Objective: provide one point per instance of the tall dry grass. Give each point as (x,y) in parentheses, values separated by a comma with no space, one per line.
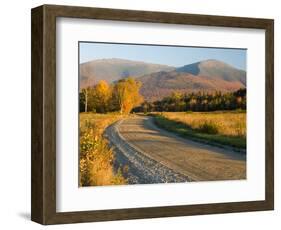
(96,157)
(223,123)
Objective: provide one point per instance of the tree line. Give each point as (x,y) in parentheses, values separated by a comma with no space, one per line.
(199,101)
(122,96)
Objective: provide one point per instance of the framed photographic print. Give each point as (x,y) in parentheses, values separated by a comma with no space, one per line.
(140,114)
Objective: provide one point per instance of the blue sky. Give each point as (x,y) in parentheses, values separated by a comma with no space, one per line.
(168,55)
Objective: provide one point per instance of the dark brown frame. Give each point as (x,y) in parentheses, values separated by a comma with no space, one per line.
(43,188)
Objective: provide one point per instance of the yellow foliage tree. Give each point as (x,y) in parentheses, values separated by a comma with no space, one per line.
(126,94)
(102,96)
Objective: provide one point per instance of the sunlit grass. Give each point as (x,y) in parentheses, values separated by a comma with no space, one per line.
(226,128)
(224,123)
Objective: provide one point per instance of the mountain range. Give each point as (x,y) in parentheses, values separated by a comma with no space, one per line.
(115,69)
(159,81)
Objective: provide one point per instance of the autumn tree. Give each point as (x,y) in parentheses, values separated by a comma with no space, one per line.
(177,100)
(101,96)
(126,95)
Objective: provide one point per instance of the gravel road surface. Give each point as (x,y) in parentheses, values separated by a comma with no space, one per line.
(153,155)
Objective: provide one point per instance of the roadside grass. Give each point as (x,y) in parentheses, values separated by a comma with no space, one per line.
(96,157)
(216,128)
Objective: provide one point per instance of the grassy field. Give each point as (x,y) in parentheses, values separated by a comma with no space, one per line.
(225,128)
(96,157)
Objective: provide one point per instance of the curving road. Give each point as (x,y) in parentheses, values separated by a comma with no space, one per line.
(153,155)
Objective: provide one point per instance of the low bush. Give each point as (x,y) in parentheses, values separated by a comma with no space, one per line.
(208,127)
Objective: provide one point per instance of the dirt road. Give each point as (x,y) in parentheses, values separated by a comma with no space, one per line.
(153,155)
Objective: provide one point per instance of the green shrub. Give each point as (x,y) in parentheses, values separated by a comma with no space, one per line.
(208,127)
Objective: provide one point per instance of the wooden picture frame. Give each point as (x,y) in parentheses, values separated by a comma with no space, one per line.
(43,189)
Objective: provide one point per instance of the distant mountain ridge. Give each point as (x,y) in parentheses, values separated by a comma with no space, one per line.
(215,69)
(207,76)
(115,69)
(159,81)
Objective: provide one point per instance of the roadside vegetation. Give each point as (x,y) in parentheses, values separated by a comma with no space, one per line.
(96,157)
(220,127)
(100,106)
